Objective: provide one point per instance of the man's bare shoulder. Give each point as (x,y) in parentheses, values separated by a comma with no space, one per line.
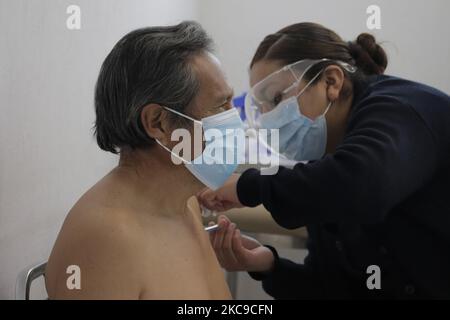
(103,241)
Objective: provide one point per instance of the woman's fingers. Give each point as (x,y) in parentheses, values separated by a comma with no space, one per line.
(234,251)
(249,243)
(212,238)
(222,242)
(206,197)
(240,252)
(227,249)
(223,223)
(199,194)
(210,199)
(218,238)
(223,198)
(211,234)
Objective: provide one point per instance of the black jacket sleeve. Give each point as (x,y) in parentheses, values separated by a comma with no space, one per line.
(289,280)
(387,154)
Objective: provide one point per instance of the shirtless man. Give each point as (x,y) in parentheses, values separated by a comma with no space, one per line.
(134,234)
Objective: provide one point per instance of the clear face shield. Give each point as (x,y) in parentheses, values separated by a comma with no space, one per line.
(264,96)
(275,97)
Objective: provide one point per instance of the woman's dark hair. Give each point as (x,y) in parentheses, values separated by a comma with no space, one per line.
(149,65)
(313,41)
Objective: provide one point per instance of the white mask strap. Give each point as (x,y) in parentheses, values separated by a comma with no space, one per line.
(311,81)
(172,153)
(183,115)
(328,108)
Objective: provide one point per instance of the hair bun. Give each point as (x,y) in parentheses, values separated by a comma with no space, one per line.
(369,56)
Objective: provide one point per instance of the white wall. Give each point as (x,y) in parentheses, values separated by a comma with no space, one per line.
(416,32)
(48,156)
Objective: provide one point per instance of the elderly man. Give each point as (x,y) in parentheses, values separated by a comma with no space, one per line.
(132,234)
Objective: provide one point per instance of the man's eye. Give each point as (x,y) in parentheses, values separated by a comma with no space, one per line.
(226,106)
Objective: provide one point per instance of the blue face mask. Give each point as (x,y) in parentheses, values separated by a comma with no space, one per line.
(301,138)
(224,135)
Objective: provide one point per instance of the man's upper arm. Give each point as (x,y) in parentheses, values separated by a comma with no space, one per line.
(106,252)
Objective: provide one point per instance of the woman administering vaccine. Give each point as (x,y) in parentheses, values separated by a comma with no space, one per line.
(374,189)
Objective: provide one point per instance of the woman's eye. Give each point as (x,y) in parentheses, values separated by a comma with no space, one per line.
(277,99)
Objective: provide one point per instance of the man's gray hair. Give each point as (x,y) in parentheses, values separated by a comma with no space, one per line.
(149,65)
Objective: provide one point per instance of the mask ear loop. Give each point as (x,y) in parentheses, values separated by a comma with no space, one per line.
(328,108)
(182,115)
(166,148)
(307,85)
(172,153)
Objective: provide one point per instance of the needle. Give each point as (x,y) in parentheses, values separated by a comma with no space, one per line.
(212,228)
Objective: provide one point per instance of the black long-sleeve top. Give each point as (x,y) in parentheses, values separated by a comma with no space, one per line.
(382,198)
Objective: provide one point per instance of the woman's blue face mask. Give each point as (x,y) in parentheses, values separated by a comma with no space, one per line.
(300,138)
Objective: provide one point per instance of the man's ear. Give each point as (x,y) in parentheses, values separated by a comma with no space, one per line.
(334,78)
(155,122)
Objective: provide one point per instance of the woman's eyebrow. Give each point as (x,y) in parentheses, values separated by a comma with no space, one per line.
(266,88)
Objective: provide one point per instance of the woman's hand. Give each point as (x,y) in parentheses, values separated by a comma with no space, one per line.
(237,252)
(222,199)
